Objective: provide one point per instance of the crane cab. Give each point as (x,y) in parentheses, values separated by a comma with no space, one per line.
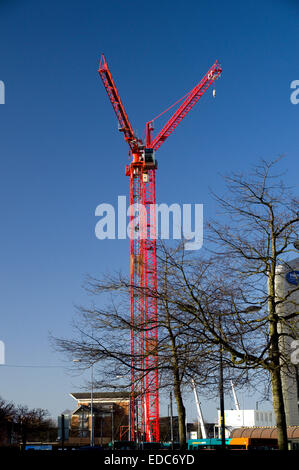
(149,159)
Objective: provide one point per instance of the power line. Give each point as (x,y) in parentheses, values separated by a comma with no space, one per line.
(33,366)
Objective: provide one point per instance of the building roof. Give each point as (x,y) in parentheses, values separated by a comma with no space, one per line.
(101,395)
(265,432)
(97,409)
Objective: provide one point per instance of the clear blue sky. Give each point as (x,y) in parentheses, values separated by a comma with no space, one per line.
(61,153)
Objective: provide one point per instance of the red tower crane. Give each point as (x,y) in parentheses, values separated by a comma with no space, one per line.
(144,402)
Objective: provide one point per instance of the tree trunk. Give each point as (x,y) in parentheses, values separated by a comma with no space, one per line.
(24,440)
(175,369)
(279,410)
(274,353)
(181,414)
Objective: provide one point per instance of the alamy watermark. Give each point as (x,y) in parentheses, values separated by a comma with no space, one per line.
(294,97)
(136,222)
(2,92)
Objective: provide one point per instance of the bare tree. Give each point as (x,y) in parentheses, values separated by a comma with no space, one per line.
(102,331)
(241,310)
(225,299)
(263,224)
(31,423)
(103,338)
(7,413)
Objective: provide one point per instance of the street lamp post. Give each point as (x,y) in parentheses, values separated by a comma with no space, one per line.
(129,411)
(171,422)
(91,407)
(250,309)
(91,411)
(221,389)
(112,425)
(221,393)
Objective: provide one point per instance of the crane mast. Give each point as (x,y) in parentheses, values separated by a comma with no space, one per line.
(144,397)
(199,413)
(144,409)
(237,404)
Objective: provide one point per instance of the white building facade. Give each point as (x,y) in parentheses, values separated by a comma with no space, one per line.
(248,418)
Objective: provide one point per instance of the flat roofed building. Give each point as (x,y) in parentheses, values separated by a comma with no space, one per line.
(239,418)
(110,415)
